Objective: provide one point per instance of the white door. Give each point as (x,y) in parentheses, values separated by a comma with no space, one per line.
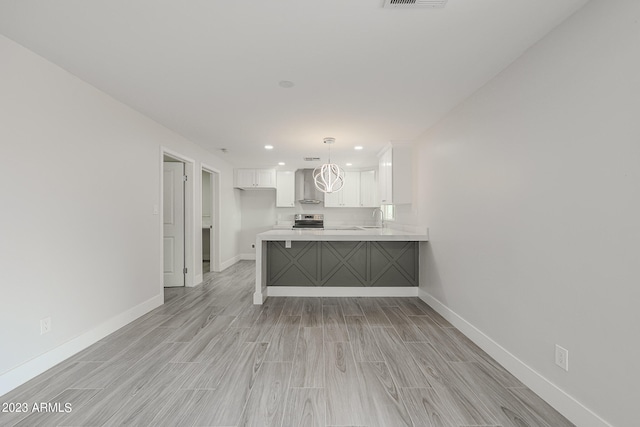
(173,215)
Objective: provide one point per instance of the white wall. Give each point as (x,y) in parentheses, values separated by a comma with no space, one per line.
(79,177)
(531,191)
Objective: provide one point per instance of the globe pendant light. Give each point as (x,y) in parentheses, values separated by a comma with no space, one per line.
(329,177)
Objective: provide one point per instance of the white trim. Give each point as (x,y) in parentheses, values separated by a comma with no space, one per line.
(228,263)
(249,256)
(564,403)
(161,220)
(340,291)
(259,298)
(34,367)
(198,280)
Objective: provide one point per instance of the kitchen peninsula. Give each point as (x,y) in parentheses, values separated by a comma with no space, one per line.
(353,261)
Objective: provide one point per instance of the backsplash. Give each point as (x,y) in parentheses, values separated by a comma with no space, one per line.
(259,213)
(332,216)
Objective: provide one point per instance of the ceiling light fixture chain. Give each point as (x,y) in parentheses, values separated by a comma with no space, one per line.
(329,177)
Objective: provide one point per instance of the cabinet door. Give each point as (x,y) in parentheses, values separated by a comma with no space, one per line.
(349,196)
(285,189)
(245,178)
(368,189)
(386,177)
(351,190)
(333,200)
(265,178)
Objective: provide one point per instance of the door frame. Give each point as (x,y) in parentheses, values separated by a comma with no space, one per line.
(214,237)
(189,212)
(174,225)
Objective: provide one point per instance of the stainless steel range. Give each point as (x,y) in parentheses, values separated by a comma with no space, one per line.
(308,221)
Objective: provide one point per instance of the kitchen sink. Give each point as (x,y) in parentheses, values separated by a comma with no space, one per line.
(343,228)
(353,228)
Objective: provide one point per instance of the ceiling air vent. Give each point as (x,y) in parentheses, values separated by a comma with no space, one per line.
(311,159)
(412,4)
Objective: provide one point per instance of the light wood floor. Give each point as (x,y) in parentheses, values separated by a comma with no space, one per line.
(208,357)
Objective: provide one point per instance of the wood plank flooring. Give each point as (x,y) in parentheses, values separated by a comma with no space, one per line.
(209,357)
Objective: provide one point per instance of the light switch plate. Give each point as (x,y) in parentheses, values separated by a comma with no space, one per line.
(562,357)
(45,325)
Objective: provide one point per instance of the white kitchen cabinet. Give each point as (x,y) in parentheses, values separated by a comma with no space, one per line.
(351,190)
(394,181)
(255,178)
(285,189)
(360,190)
(333,200)
(245,178)
(349,196)
(368,189)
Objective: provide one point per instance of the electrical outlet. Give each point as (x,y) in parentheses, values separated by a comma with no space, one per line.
(562,357)
(45,325)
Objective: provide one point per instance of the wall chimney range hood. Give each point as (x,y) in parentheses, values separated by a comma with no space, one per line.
(306,191)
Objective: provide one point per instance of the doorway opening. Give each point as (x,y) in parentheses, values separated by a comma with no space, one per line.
(210,219)
(207,220)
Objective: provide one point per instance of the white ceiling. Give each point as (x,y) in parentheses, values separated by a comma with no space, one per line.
(209,69)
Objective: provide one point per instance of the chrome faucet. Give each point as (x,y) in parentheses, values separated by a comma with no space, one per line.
(375,211)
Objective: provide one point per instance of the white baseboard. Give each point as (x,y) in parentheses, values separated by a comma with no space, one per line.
(34,367)
(259,298)
(228,263)
(564,403)
(339,291)
(240,257)
(196,281)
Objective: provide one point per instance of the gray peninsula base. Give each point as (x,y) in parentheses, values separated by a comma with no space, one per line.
(342,263)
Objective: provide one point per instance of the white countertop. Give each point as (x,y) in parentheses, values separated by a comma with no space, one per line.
(361,234)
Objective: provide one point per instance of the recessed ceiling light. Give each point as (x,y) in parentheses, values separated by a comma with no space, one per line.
(358,147)
(268,147)
(349,164)
(280,163)
(286,84)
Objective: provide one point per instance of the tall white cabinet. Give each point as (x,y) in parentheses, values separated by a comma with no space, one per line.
(285,189)
(395,180)
(369,189)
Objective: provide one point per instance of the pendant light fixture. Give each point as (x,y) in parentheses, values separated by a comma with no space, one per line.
(329,177)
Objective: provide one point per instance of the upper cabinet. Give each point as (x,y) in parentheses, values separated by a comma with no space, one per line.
(360,191)
(349,196)
(369,189)
(255,178)
(285,189)
(395,174)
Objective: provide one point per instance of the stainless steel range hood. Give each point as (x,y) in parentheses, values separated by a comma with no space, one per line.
(306,191)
